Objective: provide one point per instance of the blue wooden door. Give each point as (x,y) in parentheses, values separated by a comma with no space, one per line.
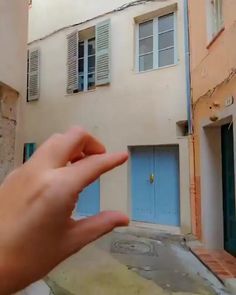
(167,185)
(155,185)
(143,196)
(89,200)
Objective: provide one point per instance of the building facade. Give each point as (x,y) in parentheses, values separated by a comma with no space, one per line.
(213,71)
(13,57)
(117,68)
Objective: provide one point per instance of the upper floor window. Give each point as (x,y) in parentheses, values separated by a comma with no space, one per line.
(88,58)
(216,21)
(156,43)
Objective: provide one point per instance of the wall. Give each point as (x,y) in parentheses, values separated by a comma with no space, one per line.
(8,107)
(13,36)
(13,57)
(213,70)
(135,109)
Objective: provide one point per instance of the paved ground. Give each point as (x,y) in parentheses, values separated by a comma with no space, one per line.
(133,262)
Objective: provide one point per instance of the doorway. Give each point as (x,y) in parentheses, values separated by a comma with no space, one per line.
(228,187)
(155,184)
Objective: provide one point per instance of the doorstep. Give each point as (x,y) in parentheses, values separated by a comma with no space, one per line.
(221,263)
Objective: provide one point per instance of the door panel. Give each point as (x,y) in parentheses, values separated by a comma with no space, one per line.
(155,185)
(228,188)
(143,202)
(89,200)
(167,185)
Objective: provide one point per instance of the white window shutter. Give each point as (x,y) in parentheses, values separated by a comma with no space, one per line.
(72,62)
(103,60)
(34,74)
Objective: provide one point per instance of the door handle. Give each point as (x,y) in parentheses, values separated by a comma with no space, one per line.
(151,178)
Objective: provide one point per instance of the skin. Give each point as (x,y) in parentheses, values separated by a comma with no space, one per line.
(37,200)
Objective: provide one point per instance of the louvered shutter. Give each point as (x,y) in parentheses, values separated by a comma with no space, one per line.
(103,32)
(34,74)
(72,62)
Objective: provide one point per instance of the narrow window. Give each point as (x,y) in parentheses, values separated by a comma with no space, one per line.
(216,17)
(166,50)
(87,56)
(146,46)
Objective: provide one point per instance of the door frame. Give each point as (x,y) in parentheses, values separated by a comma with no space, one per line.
(211,179)
(173,229)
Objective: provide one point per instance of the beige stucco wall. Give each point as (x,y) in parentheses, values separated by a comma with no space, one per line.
(135,109)
(13,57)
(13,38)
(213,70)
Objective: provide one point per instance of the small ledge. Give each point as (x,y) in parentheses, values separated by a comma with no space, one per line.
(215,37)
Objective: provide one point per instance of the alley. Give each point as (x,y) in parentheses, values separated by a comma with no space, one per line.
(133,262)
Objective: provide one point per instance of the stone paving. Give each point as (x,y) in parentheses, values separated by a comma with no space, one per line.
(133,262)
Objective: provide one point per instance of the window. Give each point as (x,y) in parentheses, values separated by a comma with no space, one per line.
(216,17)
(156,43)
(87,55)
(88,58)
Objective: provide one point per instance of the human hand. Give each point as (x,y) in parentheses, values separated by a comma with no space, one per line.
(36,203)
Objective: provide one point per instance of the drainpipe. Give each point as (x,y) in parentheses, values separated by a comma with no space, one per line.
(192,164)
(187,64)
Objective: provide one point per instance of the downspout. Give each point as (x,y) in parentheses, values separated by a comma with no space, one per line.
(192,165)
(187,65)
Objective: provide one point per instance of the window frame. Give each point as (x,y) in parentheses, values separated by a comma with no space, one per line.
(156,49)
(215,20)
(86,69)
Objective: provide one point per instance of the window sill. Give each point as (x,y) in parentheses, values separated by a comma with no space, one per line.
(156,69)
(215,38)
(81,92)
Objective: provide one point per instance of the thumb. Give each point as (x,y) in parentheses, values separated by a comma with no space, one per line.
(87,230)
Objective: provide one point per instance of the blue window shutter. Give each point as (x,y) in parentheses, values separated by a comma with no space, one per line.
(103,53)
(29,149)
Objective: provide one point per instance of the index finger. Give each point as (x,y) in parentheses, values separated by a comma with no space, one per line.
(60,149)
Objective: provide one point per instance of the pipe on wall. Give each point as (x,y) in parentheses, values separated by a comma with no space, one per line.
(187,65)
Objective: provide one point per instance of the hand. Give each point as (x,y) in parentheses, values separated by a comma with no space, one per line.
(36,203)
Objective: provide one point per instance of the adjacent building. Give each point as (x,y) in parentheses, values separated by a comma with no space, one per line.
(213,74)
(118,68)
(13,58)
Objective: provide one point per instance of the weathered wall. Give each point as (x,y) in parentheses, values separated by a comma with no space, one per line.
(213,81)
(135,109)
(8,106)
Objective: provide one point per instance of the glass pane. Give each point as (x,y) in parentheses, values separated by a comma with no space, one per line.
(146,62)
(146,45)
(81,83)
(146,29)
(166,40)
(81,66)
(91,46)
(91,81)
(81,49)
(91,64)
(166,57)
(166,23)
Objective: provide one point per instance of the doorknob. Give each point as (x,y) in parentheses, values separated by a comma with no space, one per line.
(151,178)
